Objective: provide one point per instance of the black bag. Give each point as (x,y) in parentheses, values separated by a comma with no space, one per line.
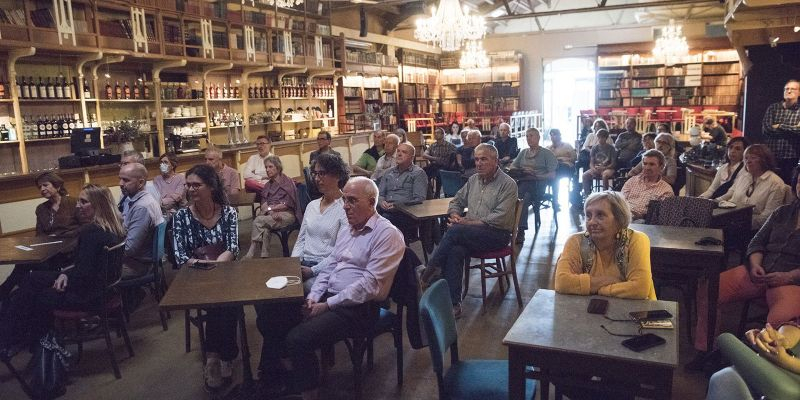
(50,369)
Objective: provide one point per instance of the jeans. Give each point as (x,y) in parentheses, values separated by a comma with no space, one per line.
(457,244)
(728,384)
(221,331)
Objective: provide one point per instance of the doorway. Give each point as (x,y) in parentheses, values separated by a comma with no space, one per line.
(569,86)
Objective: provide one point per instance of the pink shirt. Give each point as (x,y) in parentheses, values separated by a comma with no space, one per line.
(639,194)
(362,265)
(230,180)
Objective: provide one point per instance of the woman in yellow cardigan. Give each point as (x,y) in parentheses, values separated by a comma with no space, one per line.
(609,258)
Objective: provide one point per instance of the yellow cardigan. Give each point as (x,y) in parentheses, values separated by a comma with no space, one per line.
(637,285)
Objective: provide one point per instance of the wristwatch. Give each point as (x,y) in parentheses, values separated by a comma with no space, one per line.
(269,209)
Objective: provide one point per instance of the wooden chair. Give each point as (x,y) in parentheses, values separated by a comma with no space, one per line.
(284,233)
(155,279)
(497,269)
(109,315)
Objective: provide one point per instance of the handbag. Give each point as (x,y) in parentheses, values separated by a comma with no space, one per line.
(50,368)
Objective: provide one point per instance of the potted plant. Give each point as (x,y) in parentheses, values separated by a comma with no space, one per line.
(123,134)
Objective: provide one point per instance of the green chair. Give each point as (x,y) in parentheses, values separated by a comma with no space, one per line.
(465,379)
(762,377)
(155,279)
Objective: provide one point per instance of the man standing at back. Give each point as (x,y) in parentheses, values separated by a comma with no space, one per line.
(781,128)
(490,197)
(141,213)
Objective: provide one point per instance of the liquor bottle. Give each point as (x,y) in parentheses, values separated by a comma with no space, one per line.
(58,89)
(33,90)
(217,92)
(78,122)
(126,91)
(262,91)
(72,122)
(51,89)
(87,94)
(3,89)
(146,91)
(39,130)
(48,127)
(41,89)
(3,133)
(67,88)
(23,89)
(137,94)
(26,127)
(63,124)
(250,91)
(34,127)
(117,91)
(92,121)
(235,94)
(109,91)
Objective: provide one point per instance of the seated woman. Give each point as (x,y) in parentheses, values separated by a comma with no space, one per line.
(665,143)
(28,315)
(727,172)
(323,217)
(609,258)
(208,230)
(279,208)
(454,136)
(57,216)
(773,273)
(171,186)
(761,187)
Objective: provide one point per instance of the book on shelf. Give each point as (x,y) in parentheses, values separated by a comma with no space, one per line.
(13,17)
(42,18)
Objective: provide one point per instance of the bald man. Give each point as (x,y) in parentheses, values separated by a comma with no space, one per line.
(229,176)
(141,213)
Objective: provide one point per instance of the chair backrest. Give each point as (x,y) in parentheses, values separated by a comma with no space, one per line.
(451,182)
(437,318)
(405,292)
(517,214)
(683,211)
(311,186)
(112,257)
(158,247)
(303,197)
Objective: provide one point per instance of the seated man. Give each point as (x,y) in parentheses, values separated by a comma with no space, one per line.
(131,157)
(366,163)
(602,160)
(648,142)
(716,133)
(324,147)
(506,145)
(490,197)
(533,168)
(227,175)
(465,157)
(405,182)
(640,190)
(255,176)
(566,156)
(359,271)
(141,213)
(387,159)
(628,143)
(440,155)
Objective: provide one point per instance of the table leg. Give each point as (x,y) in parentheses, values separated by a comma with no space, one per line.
(516,374)
(247,372)
(713,296)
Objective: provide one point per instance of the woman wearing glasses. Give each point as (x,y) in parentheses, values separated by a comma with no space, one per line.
(761,187)
(208,230)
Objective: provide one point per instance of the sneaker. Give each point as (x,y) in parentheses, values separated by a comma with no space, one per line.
(213,374)
(226,371)
(457,310)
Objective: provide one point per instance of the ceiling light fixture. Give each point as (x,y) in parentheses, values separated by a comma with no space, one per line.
(449,26)
(671,46)
(285,3)
(473,56)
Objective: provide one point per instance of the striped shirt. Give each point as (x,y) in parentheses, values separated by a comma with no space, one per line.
(639,193)
(784,140)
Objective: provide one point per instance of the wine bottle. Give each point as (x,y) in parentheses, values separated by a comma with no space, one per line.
(146,91)
(126,91)
(137,94)
(48,127)
(51,89)
(78,122)
(68,85)
(24,91)
(2,89)
(250,91)
(109,91)
(235,94)
(63,126)
(41,89)
(72,122)
(117,91)
(87,94)
(58,89)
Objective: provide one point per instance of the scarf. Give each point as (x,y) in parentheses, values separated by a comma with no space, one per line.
(621,252)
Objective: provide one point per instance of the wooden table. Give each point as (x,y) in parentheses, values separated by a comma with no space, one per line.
(736,224)
(43,248)
(673,253)
(429,209)
(234,283)
(243,199)
(568,347)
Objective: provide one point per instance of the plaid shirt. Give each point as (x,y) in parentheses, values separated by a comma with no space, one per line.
(639,193)
(784,140)
(442,152)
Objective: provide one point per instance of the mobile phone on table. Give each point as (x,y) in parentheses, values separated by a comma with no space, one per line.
(597,306)
(650,315)
(643,342)
(204,265)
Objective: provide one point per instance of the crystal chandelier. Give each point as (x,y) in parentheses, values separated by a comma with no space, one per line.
(448,26)
(672,44)
(473,56)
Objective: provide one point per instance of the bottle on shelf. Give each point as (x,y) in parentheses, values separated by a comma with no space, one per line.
(225,90)
(33,90)
(109,91)
(3,133)
(126,91)
(64,127)
(23,89)
(41,131)
(3,89)
(235,94)
(87,94)
(250,91)
(93,121)
(68,85)
(51,89)
(58,89)
(117,91)
(145,91)
(78,122)
(179,92)
(41,89)
(137,94)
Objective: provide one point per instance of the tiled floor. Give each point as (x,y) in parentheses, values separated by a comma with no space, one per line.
(161,369)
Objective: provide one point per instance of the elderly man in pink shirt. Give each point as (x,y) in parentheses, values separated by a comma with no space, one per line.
(229,176)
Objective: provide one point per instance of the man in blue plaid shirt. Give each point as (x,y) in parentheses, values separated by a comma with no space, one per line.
(781,128)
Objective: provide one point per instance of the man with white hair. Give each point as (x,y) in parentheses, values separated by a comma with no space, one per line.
(403,183)
(227,175)
(507,148)
(387,159)
(341,303)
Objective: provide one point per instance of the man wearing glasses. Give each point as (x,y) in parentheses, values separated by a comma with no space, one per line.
(781,127)
(324,147)
(255,174)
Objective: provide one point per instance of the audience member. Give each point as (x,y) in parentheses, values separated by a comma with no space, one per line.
(131,157)
(366,163)
(602,161)
(772,273)
(489,197)
(57,216)
(141,213)
(760,187)
(648,142)
(403,183)
(402,135)
(255,176)
(323,147)
(454,136)
(729,170)
(534,168)
(171,186)
(323,218)
(227,175)
(506,146)
(628,143)
(609,258)
(590,141)
(208,230)
(360,272)
(665,143)
(718,135)
(781,126)
(566,156)
(279,208)
(28,314)
(441,155)
(662,128)
(465,157)
(640,190)
(387,160)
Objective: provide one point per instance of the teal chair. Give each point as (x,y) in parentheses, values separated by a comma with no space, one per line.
(155,280)
(466,379)
(762,377)
(452,181)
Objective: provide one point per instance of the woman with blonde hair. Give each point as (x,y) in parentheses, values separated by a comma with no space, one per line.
(28,315)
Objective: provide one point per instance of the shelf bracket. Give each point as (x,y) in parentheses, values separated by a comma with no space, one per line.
(11,64)
(216,67)
(105,60)
(82,79)
(291,71)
